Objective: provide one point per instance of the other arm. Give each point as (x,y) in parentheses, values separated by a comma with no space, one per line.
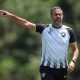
(74,58)
(75,49)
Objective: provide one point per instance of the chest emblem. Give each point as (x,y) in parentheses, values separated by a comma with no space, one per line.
(63,34)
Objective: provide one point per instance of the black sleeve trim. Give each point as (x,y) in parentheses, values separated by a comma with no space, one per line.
(72,35)
(40,27)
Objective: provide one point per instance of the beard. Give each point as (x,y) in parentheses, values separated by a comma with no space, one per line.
(58,20)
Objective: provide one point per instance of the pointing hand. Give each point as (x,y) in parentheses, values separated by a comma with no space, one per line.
(5,13)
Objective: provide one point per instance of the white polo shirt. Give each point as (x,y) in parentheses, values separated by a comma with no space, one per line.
(55,43)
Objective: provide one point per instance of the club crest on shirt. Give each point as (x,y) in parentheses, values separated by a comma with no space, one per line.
(63,34)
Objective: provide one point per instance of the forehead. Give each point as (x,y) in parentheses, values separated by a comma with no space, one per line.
(57,11)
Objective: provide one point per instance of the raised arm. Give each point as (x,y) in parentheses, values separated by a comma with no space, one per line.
(23,22)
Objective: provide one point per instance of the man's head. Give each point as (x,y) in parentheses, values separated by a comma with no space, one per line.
(57,15)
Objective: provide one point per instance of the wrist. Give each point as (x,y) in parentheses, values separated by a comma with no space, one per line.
(74,61)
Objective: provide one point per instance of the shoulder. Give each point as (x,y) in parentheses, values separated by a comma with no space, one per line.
(41,27)
(71,33)
(68,28)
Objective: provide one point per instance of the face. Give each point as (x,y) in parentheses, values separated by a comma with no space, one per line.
(57,16)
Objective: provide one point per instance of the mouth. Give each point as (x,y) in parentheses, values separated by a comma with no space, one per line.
(58,20)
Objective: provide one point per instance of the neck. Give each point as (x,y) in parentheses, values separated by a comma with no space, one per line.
(57,25)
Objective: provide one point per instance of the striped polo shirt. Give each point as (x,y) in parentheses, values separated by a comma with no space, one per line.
(55,44)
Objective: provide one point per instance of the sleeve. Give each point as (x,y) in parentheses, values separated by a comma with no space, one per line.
(72,35)
(40,27)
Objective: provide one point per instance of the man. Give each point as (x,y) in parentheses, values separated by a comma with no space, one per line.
(56,38)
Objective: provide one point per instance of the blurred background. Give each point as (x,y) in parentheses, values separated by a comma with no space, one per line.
(20,49)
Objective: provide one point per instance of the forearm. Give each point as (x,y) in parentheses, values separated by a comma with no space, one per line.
(18,20)
(73,61)
(75,51)
(23,22)
(75,54)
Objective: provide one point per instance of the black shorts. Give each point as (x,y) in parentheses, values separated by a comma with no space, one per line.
(48,73)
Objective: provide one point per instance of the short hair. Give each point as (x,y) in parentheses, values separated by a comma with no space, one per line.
(51,11)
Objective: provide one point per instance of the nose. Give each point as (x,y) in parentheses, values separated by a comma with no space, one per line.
(58,15)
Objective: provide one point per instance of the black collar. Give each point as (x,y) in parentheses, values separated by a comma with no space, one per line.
(56,27)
